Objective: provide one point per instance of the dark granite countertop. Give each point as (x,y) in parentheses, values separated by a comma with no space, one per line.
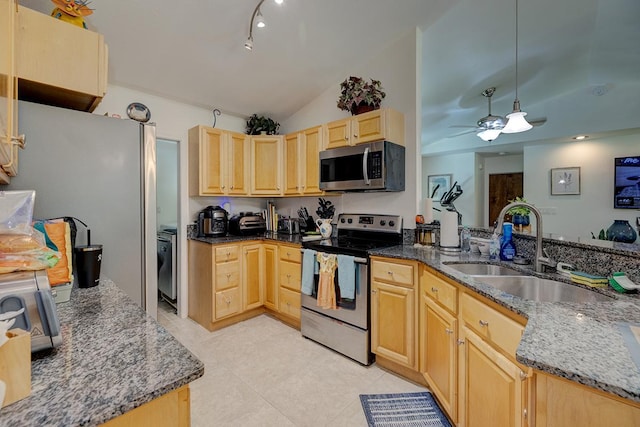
(278,237)
(114,358)
(578,341)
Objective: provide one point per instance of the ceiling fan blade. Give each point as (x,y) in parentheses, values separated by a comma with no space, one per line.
(463,133)
(538,122)
(462,126)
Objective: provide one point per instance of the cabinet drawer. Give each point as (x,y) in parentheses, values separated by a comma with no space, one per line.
(227,275)
(290,253)
(440,291)
(227,253)
(490,324)
(289,302)
(401,274)
(228,302)
(290,275)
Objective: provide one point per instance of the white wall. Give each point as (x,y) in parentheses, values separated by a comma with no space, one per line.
(396,66)
(592,210)
(173,120)
(461,167)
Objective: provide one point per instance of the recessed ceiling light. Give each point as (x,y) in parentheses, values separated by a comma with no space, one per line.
(502,153)
(580,137)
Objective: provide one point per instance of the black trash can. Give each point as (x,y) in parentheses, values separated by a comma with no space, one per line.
(88,261)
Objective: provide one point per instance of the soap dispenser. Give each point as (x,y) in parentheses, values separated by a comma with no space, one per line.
(507,247)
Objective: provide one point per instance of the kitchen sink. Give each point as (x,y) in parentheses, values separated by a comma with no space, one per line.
(544,290)
(475,269)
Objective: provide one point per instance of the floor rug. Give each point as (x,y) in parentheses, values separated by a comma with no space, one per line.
(403,410)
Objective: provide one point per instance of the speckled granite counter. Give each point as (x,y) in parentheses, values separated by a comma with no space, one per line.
(278,237)
(581,342)
(113,359)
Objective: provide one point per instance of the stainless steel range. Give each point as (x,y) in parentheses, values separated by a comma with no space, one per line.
(346,329)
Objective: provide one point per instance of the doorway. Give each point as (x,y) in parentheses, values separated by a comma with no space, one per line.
(502,188)
(167,203)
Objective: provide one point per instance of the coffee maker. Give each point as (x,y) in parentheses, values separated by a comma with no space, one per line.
(213,221)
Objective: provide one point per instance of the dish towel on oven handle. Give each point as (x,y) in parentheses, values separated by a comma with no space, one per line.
(326,285)
(347,276)
(309,268)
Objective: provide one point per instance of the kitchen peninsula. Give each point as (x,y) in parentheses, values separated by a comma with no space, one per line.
(114,360)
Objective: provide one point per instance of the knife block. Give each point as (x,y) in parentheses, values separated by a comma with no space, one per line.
(15,366)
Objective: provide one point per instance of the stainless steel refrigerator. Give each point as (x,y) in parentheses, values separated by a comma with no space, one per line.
(101,170)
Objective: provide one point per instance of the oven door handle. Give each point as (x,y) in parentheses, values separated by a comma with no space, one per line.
(365,171)
(357,260)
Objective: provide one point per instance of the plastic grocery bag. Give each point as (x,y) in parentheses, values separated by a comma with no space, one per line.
(16,211)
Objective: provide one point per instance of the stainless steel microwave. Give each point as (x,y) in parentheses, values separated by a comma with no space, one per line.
(374,166)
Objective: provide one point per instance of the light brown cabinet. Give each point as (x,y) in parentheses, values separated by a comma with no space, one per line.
(9,138)
(302,165)
(394,311)
(169,410)
(271,276)
(253,275)
(289,280)
(218,162)
(438,330)
(560,403)
(266,165)
(58,63)
(383,124)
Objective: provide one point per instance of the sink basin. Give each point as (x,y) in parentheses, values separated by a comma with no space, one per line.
(474,269)
(544,290)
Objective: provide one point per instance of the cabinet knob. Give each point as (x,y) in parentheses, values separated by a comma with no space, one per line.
(460,342)
(228,276)
(232,187)
(434,290)
(390,273)
(483,322)
(523,375)
(373,291)
(222,187)
(448,331)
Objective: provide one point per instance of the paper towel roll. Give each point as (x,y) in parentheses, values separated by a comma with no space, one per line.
(428,211)
(449,230)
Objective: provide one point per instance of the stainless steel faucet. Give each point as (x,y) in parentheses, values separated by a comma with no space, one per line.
(541,259)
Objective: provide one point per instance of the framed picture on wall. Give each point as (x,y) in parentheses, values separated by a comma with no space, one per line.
(437,185)
(565,181)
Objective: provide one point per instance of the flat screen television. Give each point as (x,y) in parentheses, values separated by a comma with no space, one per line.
(627,183)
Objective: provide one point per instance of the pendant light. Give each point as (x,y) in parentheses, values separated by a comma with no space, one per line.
(260,22)
(516,122)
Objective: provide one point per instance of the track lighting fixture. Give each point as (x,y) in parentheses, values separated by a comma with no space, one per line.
(260,22)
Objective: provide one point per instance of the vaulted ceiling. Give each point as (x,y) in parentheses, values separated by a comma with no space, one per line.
(579,59)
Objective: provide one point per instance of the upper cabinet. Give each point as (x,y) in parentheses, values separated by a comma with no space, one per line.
(218,161)
(266,165)
(302,174)
(10,141)
(383,124)
(58,63)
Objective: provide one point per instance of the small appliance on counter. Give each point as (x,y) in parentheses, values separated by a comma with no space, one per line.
(213,221)
(247,224)
(28,295)
(289,225)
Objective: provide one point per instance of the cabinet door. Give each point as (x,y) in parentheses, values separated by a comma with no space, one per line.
(238,163)
(491,388)
(292,164)
(8,110)
(253,276)
(271,276)
(228,303)
(266,162)
(338,134)
(368,127)
(310,163)
(212,161)
(438,360)
(392,323)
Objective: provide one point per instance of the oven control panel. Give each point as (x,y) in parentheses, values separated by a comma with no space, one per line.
(370,222)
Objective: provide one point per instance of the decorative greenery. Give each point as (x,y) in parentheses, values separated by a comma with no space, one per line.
(519,210)
(356,91)
(326,209)
(257,124)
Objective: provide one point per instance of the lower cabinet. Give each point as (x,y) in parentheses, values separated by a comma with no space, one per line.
(232,282)
(289,279)
(394,311)
(169,410)
(560,403)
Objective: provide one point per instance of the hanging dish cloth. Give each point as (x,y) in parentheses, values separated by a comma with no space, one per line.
(326,288)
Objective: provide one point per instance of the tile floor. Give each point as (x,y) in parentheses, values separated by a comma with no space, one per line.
(261,372)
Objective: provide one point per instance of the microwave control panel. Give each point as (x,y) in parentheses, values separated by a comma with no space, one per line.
(374,166)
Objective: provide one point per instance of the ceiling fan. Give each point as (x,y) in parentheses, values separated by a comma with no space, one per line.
(489,127)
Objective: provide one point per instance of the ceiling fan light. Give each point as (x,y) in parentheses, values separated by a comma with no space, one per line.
(260,20)
(249,44)
(489,134)
(279,1)
(517,123)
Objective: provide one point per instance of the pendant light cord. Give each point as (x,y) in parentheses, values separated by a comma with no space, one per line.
(517,52)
